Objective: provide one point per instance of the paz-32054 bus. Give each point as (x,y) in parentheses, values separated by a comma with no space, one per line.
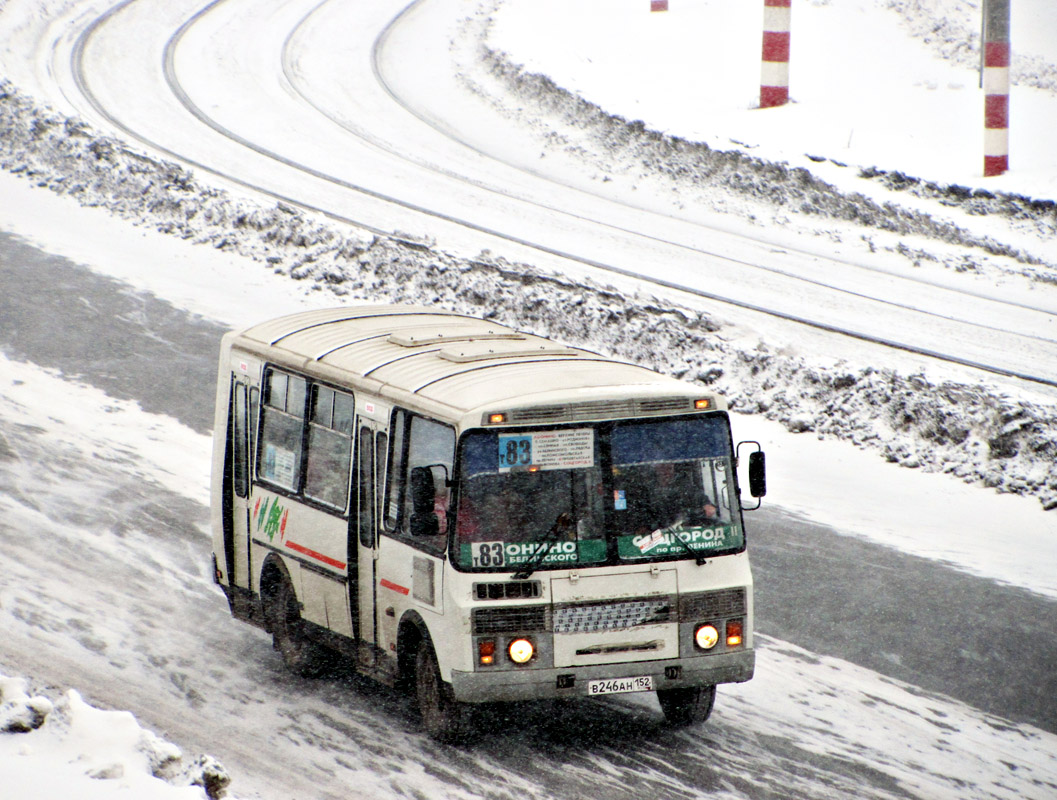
(479,514)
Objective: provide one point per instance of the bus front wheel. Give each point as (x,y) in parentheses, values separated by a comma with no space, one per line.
(686,706)
(443,717)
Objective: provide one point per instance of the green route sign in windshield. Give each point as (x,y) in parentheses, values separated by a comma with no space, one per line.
(663,542)
(516,554)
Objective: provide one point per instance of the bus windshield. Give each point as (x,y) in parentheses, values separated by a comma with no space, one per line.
(628,491)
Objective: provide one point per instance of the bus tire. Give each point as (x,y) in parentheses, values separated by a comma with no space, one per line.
(300,654)
(686,706)
(443,717)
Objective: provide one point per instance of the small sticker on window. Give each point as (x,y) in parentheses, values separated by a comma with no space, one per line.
(278,465)
(620,500)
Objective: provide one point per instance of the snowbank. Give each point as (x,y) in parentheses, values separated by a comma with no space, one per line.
(54,750)
(972,430)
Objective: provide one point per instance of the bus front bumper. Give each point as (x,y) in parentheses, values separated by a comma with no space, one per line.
(486,686)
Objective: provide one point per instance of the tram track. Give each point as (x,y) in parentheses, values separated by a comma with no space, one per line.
(184,97)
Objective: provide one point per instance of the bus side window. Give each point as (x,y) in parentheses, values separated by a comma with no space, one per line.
(381,444)
(396,469)
(282,424)
(241,442)
(329,458)
(255,406)
(365,477)
(419,443)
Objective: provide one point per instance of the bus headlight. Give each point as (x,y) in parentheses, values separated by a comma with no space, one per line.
(521,651)
(706,637)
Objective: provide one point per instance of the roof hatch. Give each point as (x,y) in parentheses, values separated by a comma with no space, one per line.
(441,334)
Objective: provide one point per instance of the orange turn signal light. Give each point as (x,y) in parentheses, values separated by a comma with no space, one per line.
(734,632)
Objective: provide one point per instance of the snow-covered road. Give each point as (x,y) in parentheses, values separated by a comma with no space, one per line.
(881,673)
(110,492)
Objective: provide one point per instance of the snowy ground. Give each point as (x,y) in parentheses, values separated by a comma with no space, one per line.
(804,721)
(964,428)
(69,749)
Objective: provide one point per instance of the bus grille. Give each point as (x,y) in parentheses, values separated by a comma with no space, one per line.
(610,615)
(518,619)
(614,615)
(713,605)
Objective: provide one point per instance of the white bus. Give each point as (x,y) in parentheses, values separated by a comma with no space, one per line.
(479,514)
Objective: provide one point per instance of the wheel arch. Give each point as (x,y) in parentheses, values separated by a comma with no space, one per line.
(273,572)
(412,633)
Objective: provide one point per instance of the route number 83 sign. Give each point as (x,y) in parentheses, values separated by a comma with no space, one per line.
(558,449)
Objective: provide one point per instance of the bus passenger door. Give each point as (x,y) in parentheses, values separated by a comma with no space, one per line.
(237,527)
(370,463)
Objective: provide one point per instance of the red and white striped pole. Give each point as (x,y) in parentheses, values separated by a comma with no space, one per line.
(774,76)
(996,87)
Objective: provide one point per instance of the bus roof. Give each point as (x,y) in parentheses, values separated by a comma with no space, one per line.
(464,363)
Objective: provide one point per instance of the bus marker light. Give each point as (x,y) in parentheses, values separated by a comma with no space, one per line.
(706,637)
(733,633)
(496,419)
(703,403)
(486,651)
(521,651)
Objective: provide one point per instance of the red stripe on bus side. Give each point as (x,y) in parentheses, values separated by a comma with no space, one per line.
(395,587)
(332,562)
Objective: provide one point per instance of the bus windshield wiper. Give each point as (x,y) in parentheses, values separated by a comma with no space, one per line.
(562,524)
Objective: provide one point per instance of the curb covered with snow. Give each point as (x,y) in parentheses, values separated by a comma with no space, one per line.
(972,431)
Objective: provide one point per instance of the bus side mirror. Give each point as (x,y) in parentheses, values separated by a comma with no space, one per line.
(757,474)
(423,491)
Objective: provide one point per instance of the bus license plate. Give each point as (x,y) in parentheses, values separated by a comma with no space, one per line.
(643,683)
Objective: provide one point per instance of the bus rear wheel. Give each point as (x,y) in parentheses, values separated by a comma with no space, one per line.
(299,653)
(686,706)
(444,718)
